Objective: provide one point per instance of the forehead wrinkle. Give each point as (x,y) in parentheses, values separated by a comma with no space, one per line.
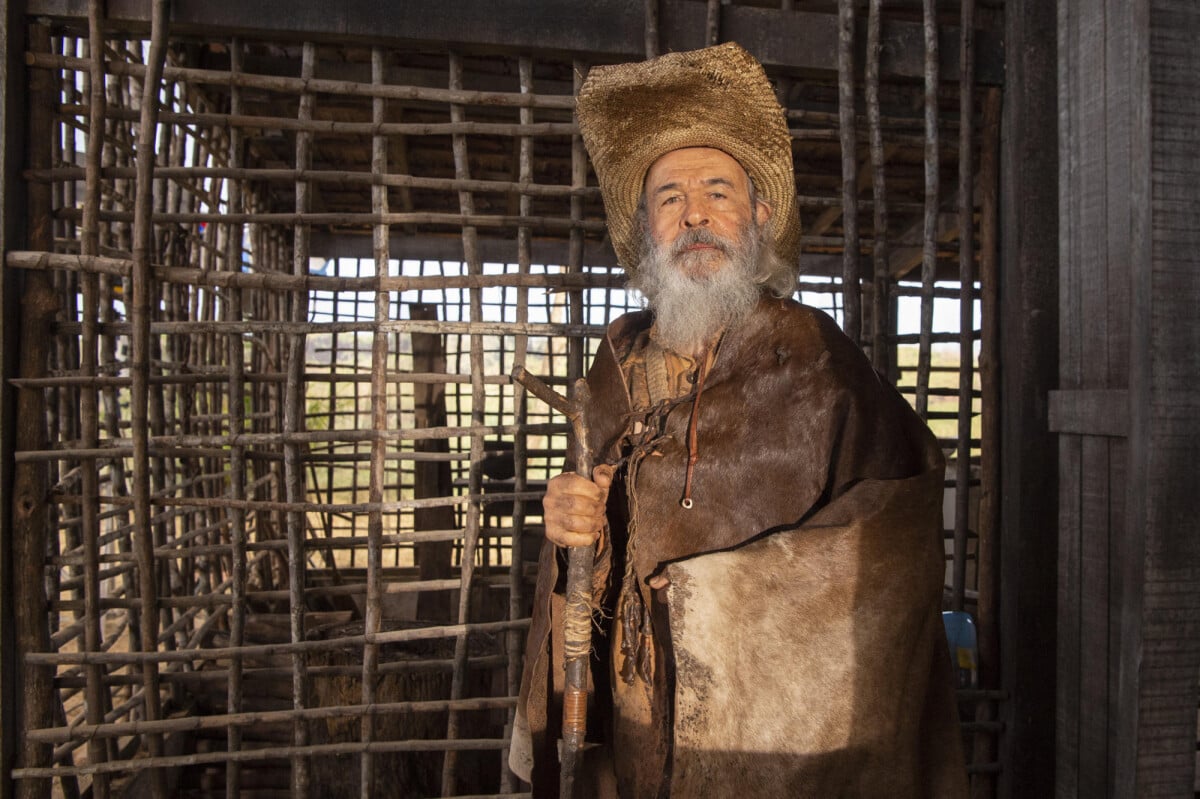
(675,185)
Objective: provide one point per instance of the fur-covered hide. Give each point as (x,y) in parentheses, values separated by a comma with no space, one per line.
(798,650)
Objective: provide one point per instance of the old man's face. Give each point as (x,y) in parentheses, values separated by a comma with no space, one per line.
(702,246)
(700,189)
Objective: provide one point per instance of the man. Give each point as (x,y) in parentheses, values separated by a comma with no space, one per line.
(765,509)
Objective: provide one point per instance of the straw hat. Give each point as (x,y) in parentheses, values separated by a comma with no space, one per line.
(630,114)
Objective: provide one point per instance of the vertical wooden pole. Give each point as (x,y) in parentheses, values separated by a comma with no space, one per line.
(851,291)
(881,279)
(235,354)
(31,478)
(89,244)
(431,478)
(383,302)
(966,296)
(651,42)
(712,23)
(139,316)
(929,239)
(119,478)
(161,397)
(14,206)
(293,422)
(475,478)
(983,785)
(579,170)
(516,584)
(1029,329)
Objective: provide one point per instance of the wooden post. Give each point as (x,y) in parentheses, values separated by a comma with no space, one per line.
(880,277)
(97,702)
(1029,354)
(651,43)
(475,478)
(579,172)
(851,291)
(293,422)
(929,237)
(236,356)
(372,618)
(431,478)
(516,584)
(31,480)
(14,207)
(712,23)
(141,347)
(966,296)
(983,785)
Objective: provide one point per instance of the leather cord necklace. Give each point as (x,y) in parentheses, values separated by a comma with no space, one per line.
(693,444)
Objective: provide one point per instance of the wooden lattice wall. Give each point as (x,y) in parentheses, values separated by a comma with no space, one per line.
(281,473)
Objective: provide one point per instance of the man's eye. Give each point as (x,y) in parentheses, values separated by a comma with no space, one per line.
(670,200)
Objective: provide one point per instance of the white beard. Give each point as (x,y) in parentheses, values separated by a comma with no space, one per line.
(690,310)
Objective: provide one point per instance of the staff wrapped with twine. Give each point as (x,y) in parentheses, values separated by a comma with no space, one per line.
(577,615)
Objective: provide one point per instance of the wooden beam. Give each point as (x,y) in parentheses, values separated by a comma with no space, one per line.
(431,478)
(492,249)
(13,110)
(602,30)
(29,504)
(1028,535)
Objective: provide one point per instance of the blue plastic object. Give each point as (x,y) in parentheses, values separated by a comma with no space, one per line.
(964,647)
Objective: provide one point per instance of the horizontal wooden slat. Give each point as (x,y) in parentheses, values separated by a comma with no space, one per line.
(608,29)
(1090,412)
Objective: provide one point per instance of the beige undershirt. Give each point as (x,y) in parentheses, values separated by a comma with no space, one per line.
(656,373)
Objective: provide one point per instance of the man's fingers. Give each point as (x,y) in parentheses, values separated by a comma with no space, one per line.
(564,539)
(572,530)
(579,504)
(574,507)
(584,524)
(658,581)
(602,476)
(569,484)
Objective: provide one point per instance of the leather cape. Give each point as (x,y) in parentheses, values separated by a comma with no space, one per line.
(798,650)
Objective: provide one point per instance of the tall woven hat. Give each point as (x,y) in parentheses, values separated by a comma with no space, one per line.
(631,114)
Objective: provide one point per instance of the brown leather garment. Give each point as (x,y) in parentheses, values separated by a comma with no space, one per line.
(798,650)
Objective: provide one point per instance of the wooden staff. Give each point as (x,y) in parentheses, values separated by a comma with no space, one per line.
(577,616)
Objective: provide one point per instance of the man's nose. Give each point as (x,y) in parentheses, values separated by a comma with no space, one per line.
(696,215)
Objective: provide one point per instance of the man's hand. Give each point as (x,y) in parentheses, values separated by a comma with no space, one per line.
(573,507)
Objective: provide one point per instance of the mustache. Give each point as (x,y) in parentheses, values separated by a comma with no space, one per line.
(699,235)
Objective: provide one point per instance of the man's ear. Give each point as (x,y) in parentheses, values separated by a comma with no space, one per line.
(762,211)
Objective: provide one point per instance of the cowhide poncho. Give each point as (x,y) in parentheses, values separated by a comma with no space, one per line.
(798,650)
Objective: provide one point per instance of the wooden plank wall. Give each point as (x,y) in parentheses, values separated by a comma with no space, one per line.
(1127,407)
(1166,427)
